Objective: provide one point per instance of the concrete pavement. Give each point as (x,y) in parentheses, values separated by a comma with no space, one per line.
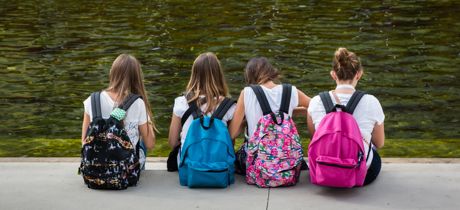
(54,184)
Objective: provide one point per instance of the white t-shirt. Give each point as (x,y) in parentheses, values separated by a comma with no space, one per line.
(368,112)
(136,115)
(181,106)
(252,109)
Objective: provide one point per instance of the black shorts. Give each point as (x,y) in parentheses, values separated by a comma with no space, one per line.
(374,169)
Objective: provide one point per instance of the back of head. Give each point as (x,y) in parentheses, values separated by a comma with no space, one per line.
(346,64)
(126,77)
(207,79)
(259,71)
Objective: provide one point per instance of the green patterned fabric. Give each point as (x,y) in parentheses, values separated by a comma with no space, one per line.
(118,114)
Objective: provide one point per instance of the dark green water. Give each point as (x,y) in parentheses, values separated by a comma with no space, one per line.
(53,54)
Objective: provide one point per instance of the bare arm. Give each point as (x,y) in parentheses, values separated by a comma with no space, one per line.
(174,131)
(84,127)
(311,126)
(302,108)
(304,100)
(235,125)
(378,136)
(147,134)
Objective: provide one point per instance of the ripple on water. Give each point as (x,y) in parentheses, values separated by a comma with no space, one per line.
(54,54)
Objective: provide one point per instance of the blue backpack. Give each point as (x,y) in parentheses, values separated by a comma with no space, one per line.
(207,156)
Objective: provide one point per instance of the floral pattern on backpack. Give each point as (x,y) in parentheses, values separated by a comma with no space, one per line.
(274,153)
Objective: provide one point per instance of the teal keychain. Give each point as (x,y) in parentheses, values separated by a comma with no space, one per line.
(118,114)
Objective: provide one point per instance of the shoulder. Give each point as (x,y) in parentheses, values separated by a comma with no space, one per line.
(294,91)
(370,97)
(293,88)
(315,104)
(373,108)
(136,110)
(231,111)
(87,100)
(180,106)
(248,92)
(373,105)
(316,98)
(87,104)
(139,103)
(247,89)
(180,101)
(371,100)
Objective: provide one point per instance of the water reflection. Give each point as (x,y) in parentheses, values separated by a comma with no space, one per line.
(55,53)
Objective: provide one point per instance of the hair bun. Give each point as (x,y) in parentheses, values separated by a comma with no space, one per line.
(346,64)
(342,56)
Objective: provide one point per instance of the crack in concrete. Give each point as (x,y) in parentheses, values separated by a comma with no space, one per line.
(268,198)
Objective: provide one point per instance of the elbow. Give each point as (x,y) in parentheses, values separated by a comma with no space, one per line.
(379,145)
(173,142)
(233,137)
(234,132)
(150,142)
(149,145)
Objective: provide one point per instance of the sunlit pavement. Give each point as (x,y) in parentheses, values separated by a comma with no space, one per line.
(53,183)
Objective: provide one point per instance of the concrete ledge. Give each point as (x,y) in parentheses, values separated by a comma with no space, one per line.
(163,160)
(48,185)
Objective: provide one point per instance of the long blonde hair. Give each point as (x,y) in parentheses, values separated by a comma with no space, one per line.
(207,79)
(126,77)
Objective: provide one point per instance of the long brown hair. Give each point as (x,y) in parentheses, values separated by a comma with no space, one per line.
(207,79)
(126,77)
(259,71)
(346,64)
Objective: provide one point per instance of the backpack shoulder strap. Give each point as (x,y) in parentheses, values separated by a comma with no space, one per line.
(286,98)
(223,108)
(354,100)
(327,101)
(129,101)
(192,110)
(264,105)
(96,105)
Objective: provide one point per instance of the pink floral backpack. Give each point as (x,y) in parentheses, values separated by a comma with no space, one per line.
(336,152)
(274,152)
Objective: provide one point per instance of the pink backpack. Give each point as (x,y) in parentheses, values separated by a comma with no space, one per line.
(336,152)
(274,152)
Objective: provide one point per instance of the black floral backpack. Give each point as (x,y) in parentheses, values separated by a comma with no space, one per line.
(108,158)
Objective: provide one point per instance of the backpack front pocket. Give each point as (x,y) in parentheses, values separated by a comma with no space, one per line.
(105,176)
(213,174)
(283,172)
(336,172)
